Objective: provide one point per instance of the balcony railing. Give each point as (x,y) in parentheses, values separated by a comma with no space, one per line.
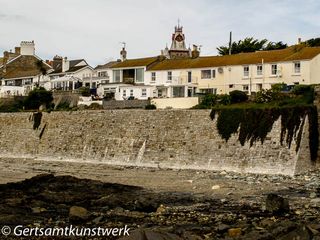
(182,80)
(96,78)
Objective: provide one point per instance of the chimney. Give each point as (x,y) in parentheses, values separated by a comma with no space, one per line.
(17,51)
(195,52)
(65,64)
(123,54)
(57,62)
(27,48)
(299,41)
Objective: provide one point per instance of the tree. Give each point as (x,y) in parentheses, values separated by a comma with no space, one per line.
(38,97)
(42,69)
(275,46)
(251,45)
(313,42)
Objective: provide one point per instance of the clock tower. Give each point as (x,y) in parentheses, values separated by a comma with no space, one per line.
(178,47)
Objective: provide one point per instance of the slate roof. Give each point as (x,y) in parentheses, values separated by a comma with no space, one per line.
(21,67)
(72,66)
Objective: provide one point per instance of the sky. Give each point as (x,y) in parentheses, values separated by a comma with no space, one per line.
(94,29)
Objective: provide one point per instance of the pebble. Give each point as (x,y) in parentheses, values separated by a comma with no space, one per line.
(215,187)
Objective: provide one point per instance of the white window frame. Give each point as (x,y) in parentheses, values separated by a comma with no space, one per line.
(297,70)
(169,76)
(213,74)
(153,76)
(131,92)
(245,87)
(143,92)
(274,69)
(246,70)
(124,92)
(209,76)
(259,70)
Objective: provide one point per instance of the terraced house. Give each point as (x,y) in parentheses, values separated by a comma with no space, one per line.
(180,72)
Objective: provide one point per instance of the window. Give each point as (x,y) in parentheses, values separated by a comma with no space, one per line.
(27,81)
(131,92)
(246,71)
(205,74)
(153,76)
(178,91)
(297,67)
(259,70)
(102,74)
(10,83)
(259,87)
(143,92)
(139,75)
(116,76)
(189,77)
(231,86)
(274,69)
(169,76)
(213,73)
(245,87)
(124,93)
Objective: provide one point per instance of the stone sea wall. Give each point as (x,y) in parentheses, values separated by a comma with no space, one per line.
(186,139)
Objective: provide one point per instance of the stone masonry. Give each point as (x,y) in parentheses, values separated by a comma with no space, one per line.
(184,139)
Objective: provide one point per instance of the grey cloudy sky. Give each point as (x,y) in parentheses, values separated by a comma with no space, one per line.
(94,29)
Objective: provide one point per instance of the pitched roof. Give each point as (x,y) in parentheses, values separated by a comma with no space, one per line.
(22,66)
(288,54)
(107,65)
(139,62)
(1,61)
(72,66)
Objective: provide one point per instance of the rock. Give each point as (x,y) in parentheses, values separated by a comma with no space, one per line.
(161,209)
(234,232)
(315,201)
(313,195)
(215,187)
(223,227)
(151,235)
(38,210)
(300,233)
(97,220)
(276,204)
(78,213)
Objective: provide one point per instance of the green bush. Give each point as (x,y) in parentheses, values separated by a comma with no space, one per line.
(85,91)
(38,97)
(207,101)
(263,96)
(237,96)
(224,99)
(278,87)
(304,91)
(11,106)
(150,107)
(95,106)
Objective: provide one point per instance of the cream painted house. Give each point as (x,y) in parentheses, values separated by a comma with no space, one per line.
(249,72)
